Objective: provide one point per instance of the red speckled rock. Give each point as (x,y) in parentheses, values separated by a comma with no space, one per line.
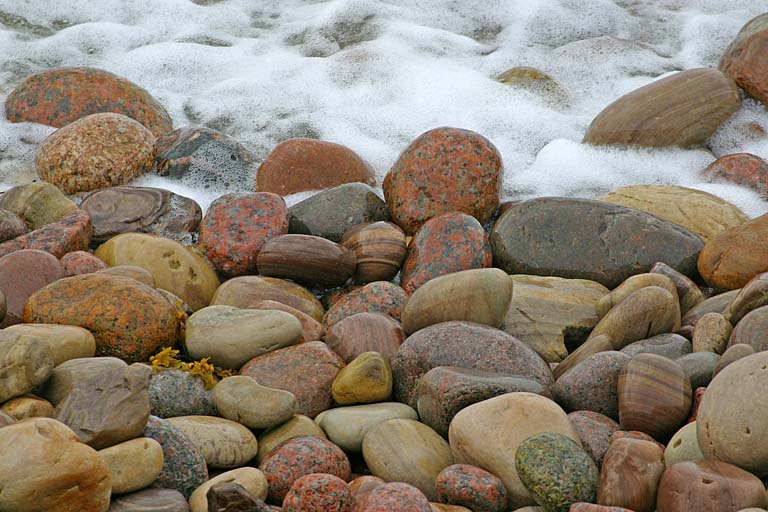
(296,165)
(595,432)
(365,332)
(22,273)
(395,496)
(443,245)
(81,262)
(97,151)
(743,169)
(318,493)
(300,456)
(471,487)
(746,59)
(129,320)
(377,297)
(307,370)
(237,226)
(444,170)
(57,97)
(591,507)
(71,233)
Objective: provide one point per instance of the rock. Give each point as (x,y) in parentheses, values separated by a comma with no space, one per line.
(150,500)
(736,256)
(556,470)
(311,329)
(744,62)
(129,320)
(174,267)
(557,236)
(444,391)
(470,486)
(298,165)
(71,233)
(133,464)
(232,497)
(365,332)
(669,345)
(301,456)
(321,493)
(711,333)
(367,379)
(80,262)
(403,450)
(25,362)
(715,304)
(645,313)
(298,425)
(591,385)
(730,422)
(96,151)
(38,203)
(236,228)
(699,212)
(379,248)
(307,370)
(11,226)
(3,306)
(140,274)
(743,169)
(200,157)
(117,210)
(592,346)
(687,291)
(751,330)
(231,337)
(242,292)
(175,392)
(594,431)
(107,407)
(708,484)
(487,434)
(444,170)
(347,426)
(591,507)
(630,475)
(184,468)
(550,314)
(59,96)
(376,297)
(66,376)
(754,295)
(45,467)
(22,273)
(27,406)
(224,443)
(395,496)
(630,286)
(363,485)
(683,446)
(242,399)
(733,354)
(668,112)
(251,479)
(65,341)
(654,395)
(699,367)
(481,296)
(464,345)
(535,81)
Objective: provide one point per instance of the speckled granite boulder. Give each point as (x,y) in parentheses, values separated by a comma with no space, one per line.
(395,496)
(72,232)
(595,432)
(184,467)
(176,393)
(591,384)
(318,493)
(469,486)
(377,297)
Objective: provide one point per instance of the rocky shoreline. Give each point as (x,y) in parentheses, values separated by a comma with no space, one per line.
(432,350)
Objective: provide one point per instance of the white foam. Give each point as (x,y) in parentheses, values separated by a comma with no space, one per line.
(374,74)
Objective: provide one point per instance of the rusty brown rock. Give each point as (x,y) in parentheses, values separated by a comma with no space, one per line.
(743,169)
(736,256)
(630,474)
(70,233)
(365,332)
(745,59)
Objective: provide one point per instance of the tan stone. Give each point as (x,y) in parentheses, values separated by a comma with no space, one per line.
(311,329)
(548,313)
(37,203)
(28,406)
(630,474)
(631,285)
(240,398)
(347,426)
(487,434)
(224,443)
(367,379)
(65,376)
(25,362)
(298,425)
(683,446)
(711,333)
(134,464)
(65,341)
(251,479)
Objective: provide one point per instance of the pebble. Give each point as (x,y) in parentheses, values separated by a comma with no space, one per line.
(751,330)
(591,385)
(241,292)
(687,291)
(347,426)
(11,226)
(600,343)
(594,430)
(377,297)
(683,446)
(175,392)
(240,398)
(711,333)
(134,464)
(366,379)
(22,273)
(470,486)
(251,479)
(743,59)
(733,354)
(379,248)
(630,474)
(224,443)
(395,496)
(298,425)
(318,493)
(631,285)
(150,500)
(26,362)
(699,367)
(365,332)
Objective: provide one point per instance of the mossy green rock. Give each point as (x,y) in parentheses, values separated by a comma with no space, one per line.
(556,471)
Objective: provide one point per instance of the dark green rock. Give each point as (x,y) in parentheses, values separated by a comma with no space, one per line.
(331,212)
(587,239)
(556,471)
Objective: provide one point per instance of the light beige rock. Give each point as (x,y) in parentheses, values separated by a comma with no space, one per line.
(733,354)
(65,376)
(711,333)
(683,446)
(347,426)
(488,433)
(480,295)
(231,337)
(28,406)
(240,398)
(366,379)
(550,313)
(298,425)
(25,362)
(700,212)
(252,480)
(134,464)
(631,285)
(65,341)
(224,443)
(46,468)
(175,268)
(407,451)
